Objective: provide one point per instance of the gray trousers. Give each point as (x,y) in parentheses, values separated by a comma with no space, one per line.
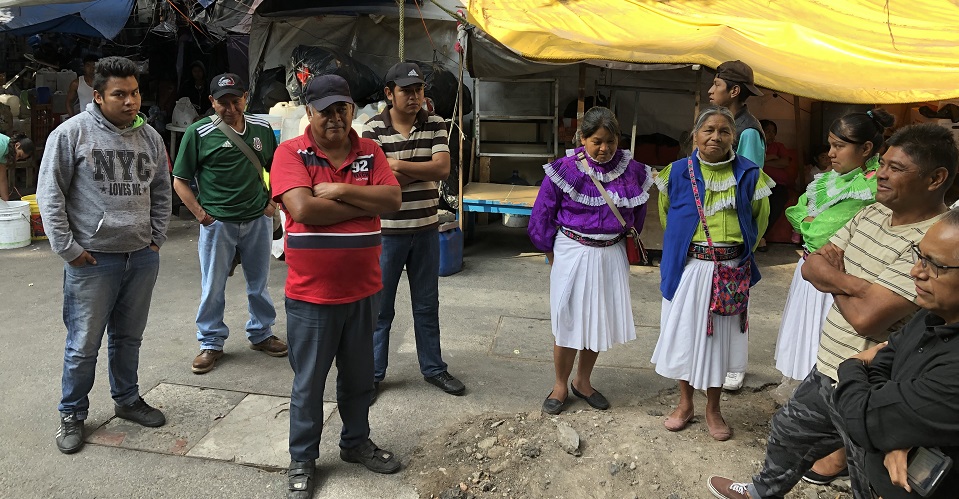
(318,334)
(805,430)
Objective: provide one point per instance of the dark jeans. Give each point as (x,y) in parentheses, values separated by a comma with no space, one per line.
(420,253)
(317,334)
(805,430)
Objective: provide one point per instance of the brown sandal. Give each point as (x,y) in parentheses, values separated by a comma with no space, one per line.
(676,424)
(722,433)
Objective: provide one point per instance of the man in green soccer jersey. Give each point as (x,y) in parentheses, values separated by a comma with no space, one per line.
(235,214)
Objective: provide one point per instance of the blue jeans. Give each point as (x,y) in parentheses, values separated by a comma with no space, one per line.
(113,295)
(317,334)
(218,243)
(420,252)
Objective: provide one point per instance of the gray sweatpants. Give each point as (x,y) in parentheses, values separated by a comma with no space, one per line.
(805,430)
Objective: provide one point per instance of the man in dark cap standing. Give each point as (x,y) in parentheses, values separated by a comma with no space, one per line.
(731,87)
(334,186)
(227,154)
(416,145)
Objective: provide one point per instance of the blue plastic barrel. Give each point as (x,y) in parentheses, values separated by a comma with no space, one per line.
(451,251)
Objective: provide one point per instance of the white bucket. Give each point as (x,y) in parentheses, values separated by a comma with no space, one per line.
(14,225)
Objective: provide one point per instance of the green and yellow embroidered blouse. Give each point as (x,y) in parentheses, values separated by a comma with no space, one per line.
(719,203)
(832,199)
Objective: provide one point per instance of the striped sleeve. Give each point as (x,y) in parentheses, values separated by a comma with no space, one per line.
(437,127)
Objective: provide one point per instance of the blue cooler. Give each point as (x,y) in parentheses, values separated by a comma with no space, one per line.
(451,248)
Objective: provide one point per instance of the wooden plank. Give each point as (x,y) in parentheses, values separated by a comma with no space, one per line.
(581,100)
(800,156)
(484,175)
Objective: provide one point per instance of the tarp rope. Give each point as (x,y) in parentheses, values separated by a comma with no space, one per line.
(402,4)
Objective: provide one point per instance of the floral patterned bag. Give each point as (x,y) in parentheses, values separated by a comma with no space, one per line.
(730,290)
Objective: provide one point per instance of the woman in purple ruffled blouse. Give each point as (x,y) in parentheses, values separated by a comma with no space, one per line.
(585,243)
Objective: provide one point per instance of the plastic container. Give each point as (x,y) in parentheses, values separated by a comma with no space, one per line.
(451,249)
(13,101)
(59,101)
(36,224)
(14,224)
(43,95)
(47,77)
(276,123)
(65,78)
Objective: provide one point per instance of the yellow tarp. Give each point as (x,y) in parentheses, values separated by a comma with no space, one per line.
(842,51)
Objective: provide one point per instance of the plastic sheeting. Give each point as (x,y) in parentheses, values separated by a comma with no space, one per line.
(844,51)
(99,18)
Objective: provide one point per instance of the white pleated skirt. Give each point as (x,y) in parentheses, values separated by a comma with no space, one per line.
(683,351)
(803,317)
(589,298)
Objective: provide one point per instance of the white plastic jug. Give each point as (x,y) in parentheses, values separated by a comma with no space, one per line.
(65,78)
(13,102)
(291,123)
(184,113)
(47,78)
(281,109)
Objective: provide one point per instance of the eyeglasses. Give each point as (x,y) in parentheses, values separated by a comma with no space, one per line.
(926,262)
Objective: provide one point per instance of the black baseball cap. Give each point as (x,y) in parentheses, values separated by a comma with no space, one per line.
(738,72)
(226,83)
(405,74)
(325,90)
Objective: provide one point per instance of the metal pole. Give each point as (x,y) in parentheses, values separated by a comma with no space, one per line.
(459,106)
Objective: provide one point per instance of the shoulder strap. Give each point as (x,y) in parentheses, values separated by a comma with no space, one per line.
(699,206)
(239,143)
(602,190)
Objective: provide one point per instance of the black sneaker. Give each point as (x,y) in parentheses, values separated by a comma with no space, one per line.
(300,479)
(141,413)
(446,382)
(70,434)
(817,479)
(374,458)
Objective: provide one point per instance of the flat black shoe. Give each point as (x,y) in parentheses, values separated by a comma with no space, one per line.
(596,400)
(817,479)
(140,412)
(300,475)
(446,382)
(70,434)
(374,458)
(553,406)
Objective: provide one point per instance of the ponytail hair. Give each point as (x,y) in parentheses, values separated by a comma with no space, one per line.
(26,145)
(859,128)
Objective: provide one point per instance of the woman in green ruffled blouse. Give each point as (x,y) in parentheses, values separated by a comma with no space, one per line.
(830,201)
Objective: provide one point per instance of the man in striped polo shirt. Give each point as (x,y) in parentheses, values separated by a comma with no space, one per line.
(415,143)
(866,266)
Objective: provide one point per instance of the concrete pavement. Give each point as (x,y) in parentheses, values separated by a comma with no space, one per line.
(496,339)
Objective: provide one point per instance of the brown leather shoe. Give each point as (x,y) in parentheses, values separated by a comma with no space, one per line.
(205,362)
(272,346)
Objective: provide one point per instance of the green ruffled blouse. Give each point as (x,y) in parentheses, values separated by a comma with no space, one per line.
(832,199)
(720,202)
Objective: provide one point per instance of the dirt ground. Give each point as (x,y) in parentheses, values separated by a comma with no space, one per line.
(624,453)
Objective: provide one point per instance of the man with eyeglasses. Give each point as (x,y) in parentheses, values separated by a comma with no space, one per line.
(905,393)
(866,266)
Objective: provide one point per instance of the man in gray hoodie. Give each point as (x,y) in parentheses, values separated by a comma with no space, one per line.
(104,195)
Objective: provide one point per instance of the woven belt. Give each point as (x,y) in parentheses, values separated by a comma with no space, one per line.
(722,252)
(586,241)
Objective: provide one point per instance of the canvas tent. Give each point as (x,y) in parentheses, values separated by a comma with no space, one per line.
(860,51)
(97,18)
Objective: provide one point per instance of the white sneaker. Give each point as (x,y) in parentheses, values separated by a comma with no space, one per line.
(734,381)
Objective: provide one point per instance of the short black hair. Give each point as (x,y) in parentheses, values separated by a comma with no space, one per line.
(764,123)
(930,146)
(113,67)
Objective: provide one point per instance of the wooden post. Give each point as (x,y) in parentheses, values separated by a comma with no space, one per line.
(699,92)
(581,101)
(800,158)
(459,131)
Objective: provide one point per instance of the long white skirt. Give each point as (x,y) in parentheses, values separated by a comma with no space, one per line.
(683,351)
(803,317)
(589,300)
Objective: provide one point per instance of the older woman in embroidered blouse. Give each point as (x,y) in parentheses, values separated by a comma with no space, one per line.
(734,195)
(590,304)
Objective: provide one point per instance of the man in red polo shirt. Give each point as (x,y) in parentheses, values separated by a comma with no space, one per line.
(333,186)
